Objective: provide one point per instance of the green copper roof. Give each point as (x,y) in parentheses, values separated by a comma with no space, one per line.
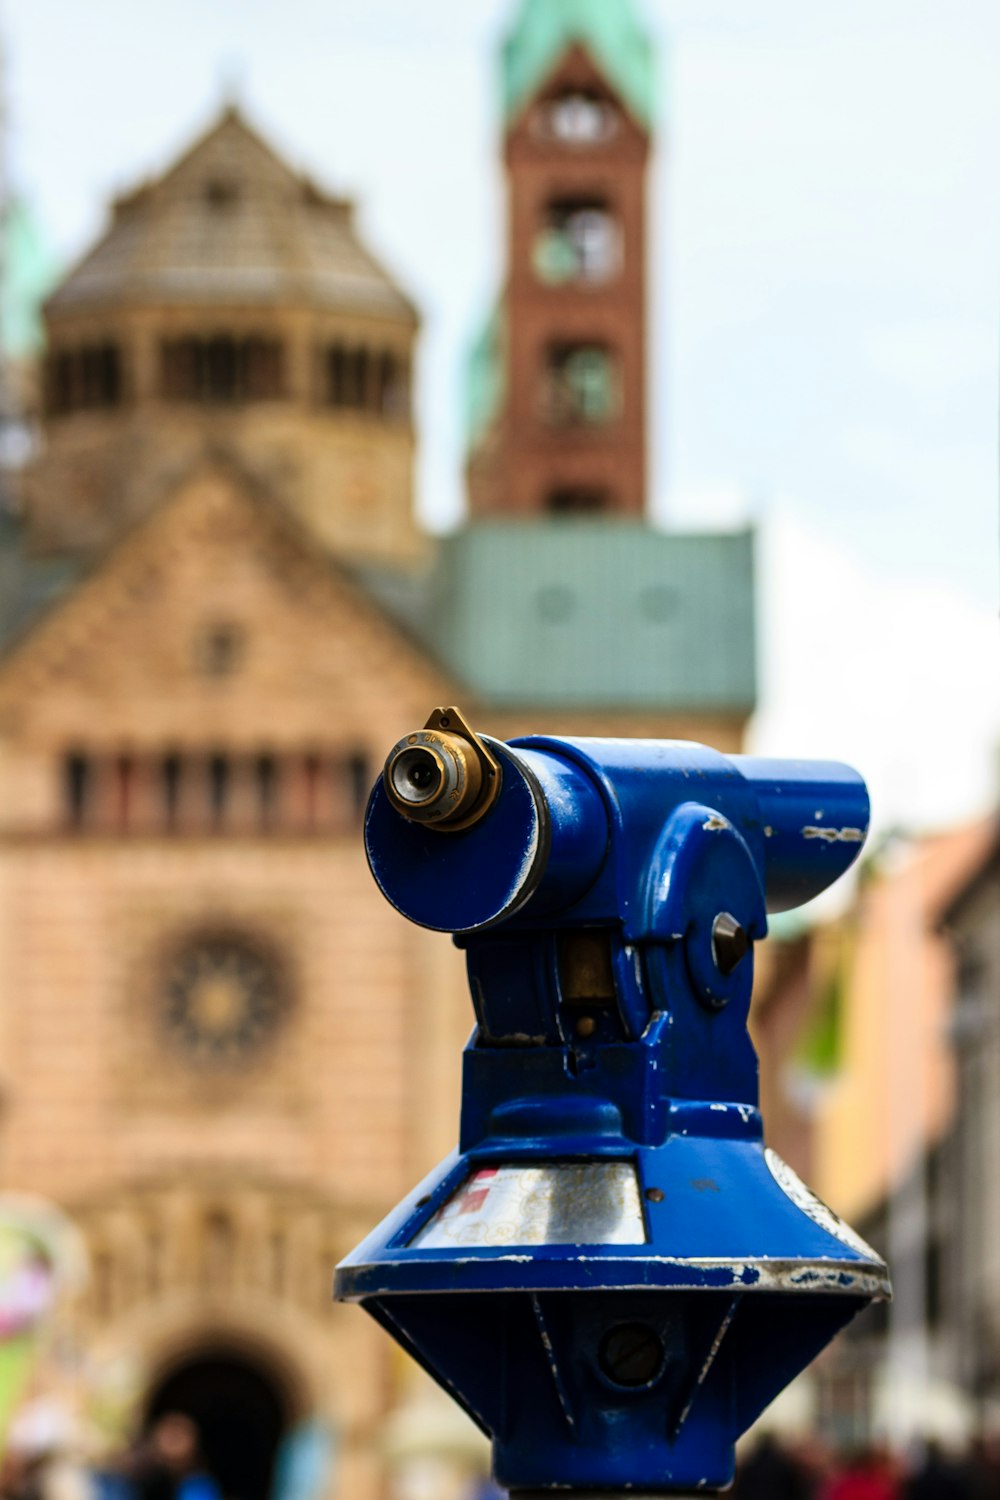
(29,274)
(484,383)
(596,614)
(610,31)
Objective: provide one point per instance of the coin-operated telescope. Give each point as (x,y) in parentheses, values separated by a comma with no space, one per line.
(612,1275)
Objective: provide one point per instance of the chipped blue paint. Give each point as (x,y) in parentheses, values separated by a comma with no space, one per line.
(743,1275)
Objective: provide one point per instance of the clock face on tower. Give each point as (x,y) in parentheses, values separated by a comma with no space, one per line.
(222,1000)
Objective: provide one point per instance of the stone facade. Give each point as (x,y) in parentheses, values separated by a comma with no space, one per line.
(218,1173)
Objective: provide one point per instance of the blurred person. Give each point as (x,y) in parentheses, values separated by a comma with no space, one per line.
(41,1257)
(304,1462)
(815,1460)
(982,1468)
(168,1464)
(771,1472)
(42,1460)
(868,1474)
(937,1477)
(45,1476)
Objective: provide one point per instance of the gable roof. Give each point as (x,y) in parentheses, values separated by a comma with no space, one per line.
(231,222)
(608,29)
(216,511)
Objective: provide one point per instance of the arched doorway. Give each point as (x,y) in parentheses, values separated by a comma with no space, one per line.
(241,1410)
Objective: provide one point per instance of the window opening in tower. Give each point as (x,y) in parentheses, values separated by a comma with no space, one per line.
(361,379)
(222,369)
(84,379)
(580,385)
(579,241)
(578,500)
(577,118)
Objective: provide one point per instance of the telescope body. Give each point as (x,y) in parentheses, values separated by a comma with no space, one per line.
(612,1274)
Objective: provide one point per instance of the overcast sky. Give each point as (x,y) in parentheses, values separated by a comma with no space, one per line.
(825,270)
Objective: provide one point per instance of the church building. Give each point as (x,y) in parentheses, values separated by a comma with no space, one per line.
(222,1053)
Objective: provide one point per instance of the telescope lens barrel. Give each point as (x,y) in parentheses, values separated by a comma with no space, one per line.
(814,815)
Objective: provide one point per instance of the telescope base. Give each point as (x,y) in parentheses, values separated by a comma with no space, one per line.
(570,1494)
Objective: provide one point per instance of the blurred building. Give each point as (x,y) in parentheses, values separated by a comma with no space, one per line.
(583,605)
(971,921)
(872,1102)
(220,1049)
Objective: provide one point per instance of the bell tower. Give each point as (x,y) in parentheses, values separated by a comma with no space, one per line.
(231,308)
(557,389)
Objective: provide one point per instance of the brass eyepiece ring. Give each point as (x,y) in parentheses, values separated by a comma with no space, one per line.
(446,778)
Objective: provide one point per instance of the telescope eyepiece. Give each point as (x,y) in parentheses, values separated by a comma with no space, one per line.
(442,776)
(420,775)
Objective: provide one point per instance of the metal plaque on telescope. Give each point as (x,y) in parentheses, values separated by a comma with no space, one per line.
(554,1203)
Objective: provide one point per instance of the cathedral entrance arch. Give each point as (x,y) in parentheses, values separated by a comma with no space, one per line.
(241,1408)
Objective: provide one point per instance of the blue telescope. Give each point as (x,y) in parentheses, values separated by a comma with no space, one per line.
(612,1275)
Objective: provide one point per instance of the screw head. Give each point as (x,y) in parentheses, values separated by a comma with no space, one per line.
(631,1354)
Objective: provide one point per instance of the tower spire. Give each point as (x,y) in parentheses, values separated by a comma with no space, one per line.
(610,30)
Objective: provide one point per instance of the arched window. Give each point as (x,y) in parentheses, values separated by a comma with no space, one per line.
(578,118)
(124,790)
(222,368)
(359,780)
(90,376)
(221,371)
(77,784)
(82,379)
(580,385)
(219,779)
(110,377)
(172,771)
(263,373)
(579,241)
(358,379)
(336,391)
(59,383)
(267,789)
(391,385)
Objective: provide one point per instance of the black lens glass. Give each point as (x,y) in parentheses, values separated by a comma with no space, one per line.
(421,774)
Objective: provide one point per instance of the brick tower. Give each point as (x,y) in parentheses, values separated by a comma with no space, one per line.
(558,418)
(559,600)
